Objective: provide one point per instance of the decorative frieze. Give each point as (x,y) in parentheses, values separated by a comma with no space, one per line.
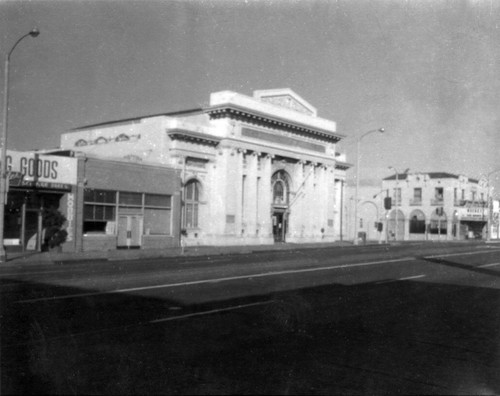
(105,140)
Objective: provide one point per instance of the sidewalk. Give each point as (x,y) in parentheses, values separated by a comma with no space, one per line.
(47,258)
(34,258)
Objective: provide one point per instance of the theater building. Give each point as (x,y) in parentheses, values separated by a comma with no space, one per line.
(254,170)
(434,206)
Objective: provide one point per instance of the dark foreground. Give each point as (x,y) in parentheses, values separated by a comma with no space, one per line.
(436,334)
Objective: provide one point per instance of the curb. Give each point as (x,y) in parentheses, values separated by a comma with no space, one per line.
(52,258)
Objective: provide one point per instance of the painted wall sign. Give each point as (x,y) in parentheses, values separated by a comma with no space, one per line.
(70,210)
(45,171)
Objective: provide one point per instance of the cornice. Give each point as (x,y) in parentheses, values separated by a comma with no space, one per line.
(342,165)
(235,112)
(185,135)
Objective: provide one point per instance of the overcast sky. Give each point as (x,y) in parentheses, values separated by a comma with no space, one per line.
(426,71)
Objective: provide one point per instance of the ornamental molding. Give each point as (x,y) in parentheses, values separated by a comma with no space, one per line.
(123,137)
(235,112)
(286,98)
(196,137)
(342,165)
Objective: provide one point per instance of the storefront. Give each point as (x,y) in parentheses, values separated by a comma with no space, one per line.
(106,204)
(472,220)
(128,206)
(37,184)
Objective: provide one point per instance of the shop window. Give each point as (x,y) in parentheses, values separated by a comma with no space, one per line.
(439,223)
(130,199)
(99,209)
(191,203)
(157,214)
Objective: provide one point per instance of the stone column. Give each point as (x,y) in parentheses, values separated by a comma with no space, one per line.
(251,194)
(265,201)
(297,209)
(238,190)
(309,200)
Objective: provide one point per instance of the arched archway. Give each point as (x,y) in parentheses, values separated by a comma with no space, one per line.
(280,190)
(417,224)
(367,218)
(396,225)
(439,223)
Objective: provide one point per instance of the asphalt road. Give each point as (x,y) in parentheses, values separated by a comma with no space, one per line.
(409,319)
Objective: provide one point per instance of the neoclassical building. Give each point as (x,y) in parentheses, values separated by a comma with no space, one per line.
(254,170)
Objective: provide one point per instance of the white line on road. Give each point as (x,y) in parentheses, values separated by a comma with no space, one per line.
(401,279)
(206,281)
(457,254)
(213,311)
(488,265)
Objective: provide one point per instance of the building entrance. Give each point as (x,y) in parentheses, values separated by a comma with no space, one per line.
(129,231)
(280,222)
(24,218)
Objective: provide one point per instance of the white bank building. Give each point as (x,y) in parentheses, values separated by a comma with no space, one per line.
(254,170)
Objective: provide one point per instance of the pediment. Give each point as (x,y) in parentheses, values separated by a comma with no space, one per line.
(286,98)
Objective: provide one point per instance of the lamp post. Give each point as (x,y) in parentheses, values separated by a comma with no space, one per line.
(396,199)
(3,171)
(381,130)
(488,231)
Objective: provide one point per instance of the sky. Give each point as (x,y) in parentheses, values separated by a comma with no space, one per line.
(428,72)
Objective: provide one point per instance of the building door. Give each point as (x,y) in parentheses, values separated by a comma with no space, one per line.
(130,231)
(279,226)
(31,228)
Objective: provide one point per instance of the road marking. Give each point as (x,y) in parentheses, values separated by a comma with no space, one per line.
(401,279)
(488,265)
(48,272)
(457,254)
(206,281)
(213,311)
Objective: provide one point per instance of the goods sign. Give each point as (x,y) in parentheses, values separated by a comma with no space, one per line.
(43,171)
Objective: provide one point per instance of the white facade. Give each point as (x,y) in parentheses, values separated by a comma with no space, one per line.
(434,206)
(255,170)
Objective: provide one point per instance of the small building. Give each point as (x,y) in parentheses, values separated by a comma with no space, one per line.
(107,204)
(255,170)
(434,206)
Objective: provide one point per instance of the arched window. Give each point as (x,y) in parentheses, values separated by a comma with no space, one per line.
(281,189)
(439,222)
(417,222)
(192,193)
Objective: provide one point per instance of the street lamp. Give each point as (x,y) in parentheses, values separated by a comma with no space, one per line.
(381,130)
(3,158)
(396,199)
(489,199)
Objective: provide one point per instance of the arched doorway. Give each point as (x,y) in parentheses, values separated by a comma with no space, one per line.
(396,225)
(280,185)
(417,224)
(439,223)
(367,218)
